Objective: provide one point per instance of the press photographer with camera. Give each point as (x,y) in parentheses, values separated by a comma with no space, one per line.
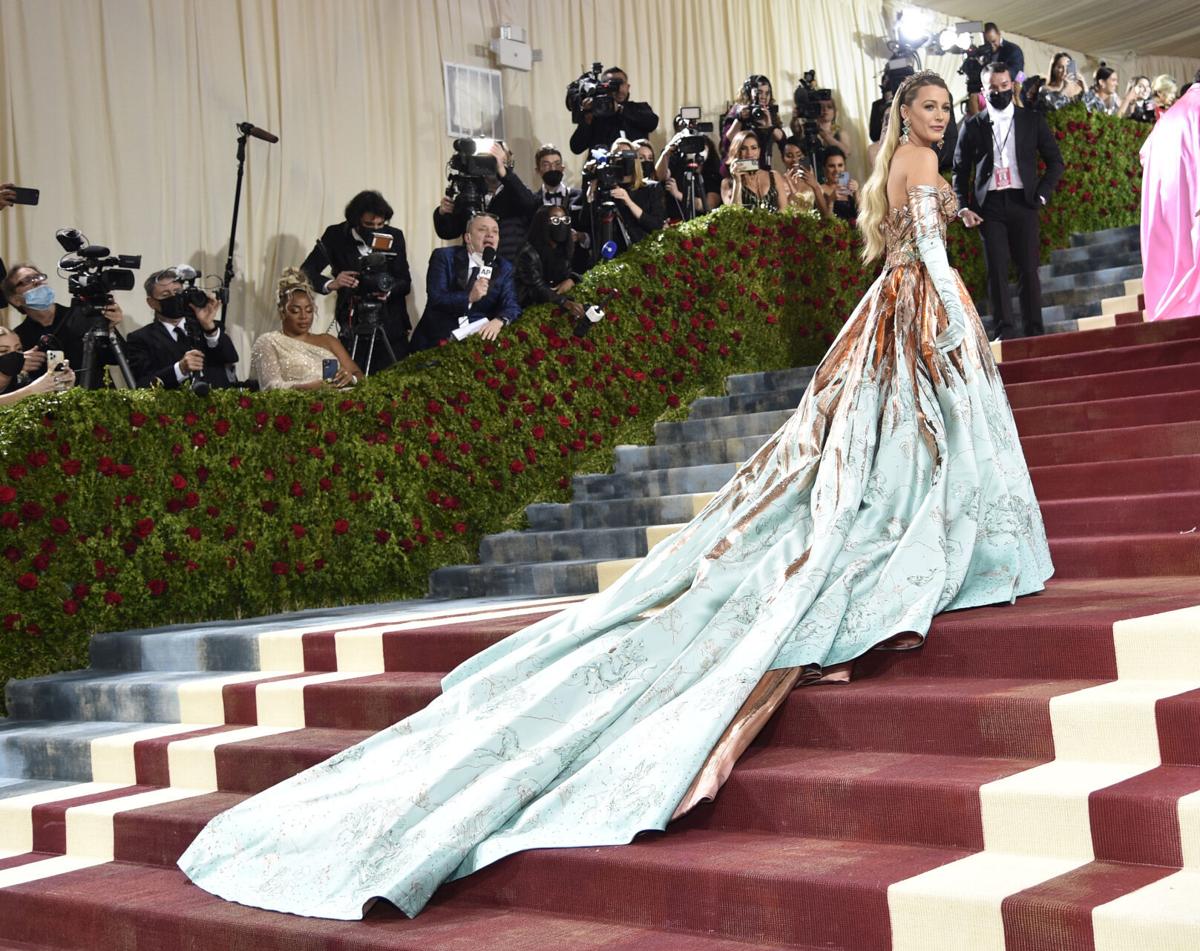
(481,178)
(622,205)
(995,49)
(183,343)
(748,185)
(48,324)
(466,284)
(814,121)
(364,260)
(757,111)
(543,272)
(15,384)
(602,110)
(690,165)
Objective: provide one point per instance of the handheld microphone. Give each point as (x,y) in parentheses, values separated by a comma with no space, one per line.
(489,258)
(592,315)
(254,131)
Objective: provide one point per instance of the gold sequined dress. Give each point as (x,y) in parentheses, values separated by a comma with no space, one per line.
(280,362)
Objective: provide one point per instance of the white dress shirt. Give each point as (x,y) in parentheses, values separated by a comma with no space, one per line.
(1004,145)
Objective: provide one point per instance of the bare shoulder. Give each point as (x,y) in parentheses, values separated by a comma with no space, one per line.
(325,341)
(917,164)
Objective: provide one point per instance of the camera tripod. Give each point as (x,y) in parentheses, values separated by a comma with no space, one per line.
(693,189)
(100,341)
(603,231)
(367,327)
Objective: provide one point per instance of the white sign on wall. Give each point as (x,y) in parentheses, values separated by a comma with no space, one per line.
(474,102)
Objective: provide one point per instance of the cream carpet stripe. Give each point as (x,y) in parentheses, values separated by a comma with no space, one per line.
(1098,322)
(997,350)
(16,812)
(1119,305)
(956,907)
(658,533)
(192,763)
(701,499)
(609,572)
(1189,830)
(202,700)
(1135,286)
(90,827)
(281,702)
(1036,823)
(35,871)
(112,756)
(1163,916)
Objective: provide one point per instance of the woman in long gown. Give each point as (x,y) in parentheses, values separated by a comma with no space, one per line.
(897,490)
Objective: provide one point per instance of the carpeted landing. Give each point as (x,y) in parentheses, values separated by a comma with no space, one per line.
(1028,781)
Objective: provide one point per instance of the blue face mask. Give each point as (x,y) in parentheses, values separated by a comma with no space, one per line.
(40,298)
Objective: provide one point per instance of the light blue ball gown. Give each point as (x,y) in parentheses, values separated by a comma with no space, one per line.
(897,490)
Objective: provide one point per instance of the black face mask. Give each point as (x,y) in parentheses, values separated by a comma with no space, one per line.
(648,171)
(553,178)
(559,233)
(173,308)
(1000,100)
(11,363)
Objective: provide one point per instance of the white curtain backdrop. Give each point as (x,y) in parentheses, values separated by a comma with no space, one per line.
(123,111)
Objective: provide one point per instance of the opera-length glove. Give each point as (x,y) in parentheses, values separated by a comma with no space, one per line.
(924,202)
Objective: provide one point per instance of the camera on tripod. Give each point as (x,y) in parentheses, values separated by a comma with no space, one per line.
(467,173)
(93,273)
(688,120)
(974,59)
(368,299)
(808,99)
(591,85)
(608,170)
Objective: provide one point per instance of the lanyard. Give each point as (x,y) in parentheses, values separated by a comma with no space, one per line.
(1000,145)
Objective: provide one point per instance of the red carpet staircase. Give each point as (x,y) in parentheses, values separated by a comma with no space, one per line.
(1030,779)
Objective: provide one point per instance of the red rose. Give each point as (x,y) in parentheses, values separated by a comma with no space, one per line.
(235,462)
(298,530)
(8,493)
(330,437)
(179,482)
(17,472)
(157,587)
(199,439)
(324,484)
(460,527)
(382,536)
(143,527)
(297,490)
(341,526)
(137,420)
(280,567)
(70,606)
(81,591)
(27,581)
(516,467)
(192,532)
(31,511)
(268,506)
(221,427)
(37,459)
(283,423)
(113,597)
(633,409)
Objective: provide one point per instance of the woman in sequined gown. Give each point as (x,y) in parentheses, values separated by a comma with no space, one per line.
(896,491)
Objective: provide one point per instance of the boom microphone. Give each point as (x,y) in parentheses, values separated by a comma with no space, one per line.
(255,132)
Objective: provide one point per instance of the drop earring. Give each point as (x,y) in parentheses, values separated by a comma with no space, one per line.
(905,128)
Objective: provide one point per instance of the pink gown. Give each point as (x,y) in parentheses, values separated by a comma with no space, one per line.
(1170,201)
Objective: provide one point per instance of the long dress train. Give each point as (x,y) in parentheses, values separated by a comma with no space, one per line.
(897,490)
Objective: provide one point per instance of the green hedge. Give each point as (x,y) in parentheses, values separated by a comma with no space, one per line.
(130,509)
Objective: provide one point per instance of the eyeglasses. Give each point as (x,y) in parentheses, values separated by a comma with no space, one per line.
(559,220)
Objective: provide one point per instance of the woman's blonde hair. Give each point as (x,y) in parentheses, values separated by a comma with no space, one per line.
(293,281)
(1164,86)
(874,202)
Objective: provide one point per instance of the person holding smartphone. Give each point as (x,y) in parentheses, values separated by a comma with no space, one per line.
(10,195)
(335,266)
(747,184)
(1063,87)
(840,190)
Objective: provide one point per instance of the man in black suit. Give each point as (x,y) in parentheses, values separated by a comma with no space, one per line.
(999,149)
(170,350)
(507,198)
(457,294)
(626,119)
(343,249)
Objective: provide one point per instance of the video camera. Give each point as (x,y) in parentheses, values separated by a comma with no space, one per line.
(608,170)
(974,59)
(808,99)
(688,119)
(93,272)
(591,85)
(180,305)
(467,173)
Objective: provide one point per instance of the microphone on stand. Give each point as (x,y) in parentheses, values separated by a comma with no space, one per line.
(255,132)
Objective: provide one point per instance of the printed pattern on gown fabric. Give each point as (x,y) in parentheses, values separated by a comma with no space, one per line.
(897,490)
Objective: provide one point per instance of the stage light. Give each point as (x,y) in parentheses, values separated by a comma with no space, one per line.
(912,26)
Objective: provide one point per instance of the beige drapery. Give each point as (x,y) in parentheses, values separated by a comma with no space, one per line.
(123,111)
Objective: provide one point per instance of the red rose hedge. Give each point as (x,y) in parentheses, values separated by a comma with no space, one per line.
(131,509)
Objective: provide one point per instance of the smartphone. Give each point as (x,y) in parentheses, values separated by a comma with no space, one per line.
(1071,70)
(844,179)
(55,360)
(329,368)
(381,241)
(743,166)
(26,196)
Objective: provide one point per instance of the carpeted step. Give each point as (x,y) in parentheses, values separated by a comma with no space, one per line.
(1122,514)
(1125,335)
(1111,360)
(572,544)
(1093,239)
(1109,479)
(720,427)
(158,909)
(1119,244)
(745,384)
(1108,414)
(543,579)
(1095,278)
(679,455)
(1111,445)
(707,407)
(1104,386)
(1127,556)
(680,481)
(616,513)
(1102,260)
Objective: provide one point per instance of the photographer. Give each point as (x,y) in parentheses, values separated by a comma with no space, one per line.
(1063,87)
(543,271)
(995,50)
(622,205)
(691,154)
(757,111)
(458,290)
(26,289)
(15,382)
(502,195)
(183,341)
(602,110)
(839,189)
(345,249)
